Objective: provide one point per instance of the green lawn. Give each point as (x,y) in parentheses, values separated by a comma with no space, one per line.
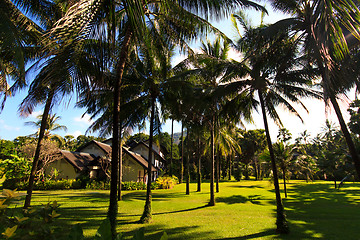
(244,210)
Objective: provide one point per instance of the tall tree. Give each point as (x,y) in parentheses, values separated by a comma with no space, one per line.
(270,69)
(327,28)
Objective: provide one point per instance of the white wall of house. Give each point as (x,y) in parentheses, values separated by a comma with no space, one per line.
(93,149)
(132,171)
(144,151)
(65,169)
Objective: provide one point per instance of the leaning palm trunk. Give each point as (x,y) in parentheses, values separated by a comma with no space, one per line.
(188,164)
(281,223)
(217,176)
(146,216)
(199,167)
(113,207)
(284,178)
(212,169)
(182,155)
(171,147)
(38,149)
(120,164)
(347,136)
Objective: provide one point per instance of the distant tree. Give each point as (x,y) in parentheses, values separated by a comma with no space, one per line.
(354,122)
(252,143)
(7,148)
(284,135)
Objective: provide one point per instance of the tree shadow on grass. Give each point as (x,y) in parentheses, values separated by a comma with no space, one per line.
(155,231)
(162,213)
(258,235)
(141,195)
(319,211)
(234,199)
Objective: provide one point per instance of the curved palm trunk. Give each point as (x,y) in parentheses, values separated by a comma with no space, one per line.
(199,167)
(281,223)
(284,178)
(187,174)
(182,155)
(171,147)
(322,56)
(230,163)
(212,169)
(120,164)
(345,131)
(113,207)
(217,177)
(38,149)
(146,216)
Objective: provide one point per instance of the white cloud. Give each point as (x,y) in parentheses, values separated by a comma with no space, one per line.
(35,114)
(235,55)
(6,127)
(84,119)
(76,133)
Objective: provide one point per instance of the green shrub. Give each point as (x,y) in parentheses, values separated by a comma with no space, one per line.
(133,185)
(32,223)
(98,185)
(166,182)
(43,184)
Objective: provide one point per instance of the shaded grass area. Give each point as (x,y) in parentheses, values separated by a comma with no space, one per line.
(244,210)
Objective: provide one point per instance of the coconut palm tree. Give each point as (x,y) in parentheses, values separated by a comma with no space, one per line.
(178,19)
(327,29)
(20,41)
(57,77)
(271,69)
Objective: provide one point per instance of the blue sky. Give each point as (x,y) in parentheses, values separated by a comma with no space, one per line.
(12,125)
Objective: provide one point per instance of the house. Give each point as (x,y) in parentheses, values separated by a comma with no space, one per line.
(94,157)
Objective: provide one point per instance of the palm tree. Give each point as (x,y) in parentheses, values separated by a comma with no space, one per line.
(270,69)
(51,125)
(178,19)
(20,40)
(326,28)
(55,80)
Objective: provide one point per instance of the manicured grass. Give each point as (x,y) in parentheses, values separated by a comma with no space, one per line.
(244,210)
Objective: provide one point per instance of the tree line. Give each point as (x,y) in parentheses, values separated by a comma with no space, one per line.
(115,56)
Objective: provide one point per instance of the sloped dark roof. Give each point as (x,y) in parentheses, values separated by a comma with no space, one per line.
(105,147)
(79,160)
(138,158)
(162,147)
(146,145)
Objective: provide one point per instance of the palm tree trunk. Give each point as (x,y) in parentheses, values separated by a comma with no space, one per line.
(182,154)
(199,166)
(212,169)
(188,163)
(113,206)
(147,215)
(284,178)
(281,223)
(38,149)
(217,176)
(230,166)
(120,164)
(345,131)
(171,147)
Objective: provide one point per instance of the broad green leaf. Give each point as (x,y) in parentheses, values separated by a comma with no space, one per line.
(164,236)
(104,231)
(139,234)
(10,232)
(76,233)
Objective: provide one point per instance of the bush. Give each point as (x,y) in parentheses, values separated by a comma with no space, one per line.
(166,182)
(98,185)
(43,184)
(133,186)
(34,223)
